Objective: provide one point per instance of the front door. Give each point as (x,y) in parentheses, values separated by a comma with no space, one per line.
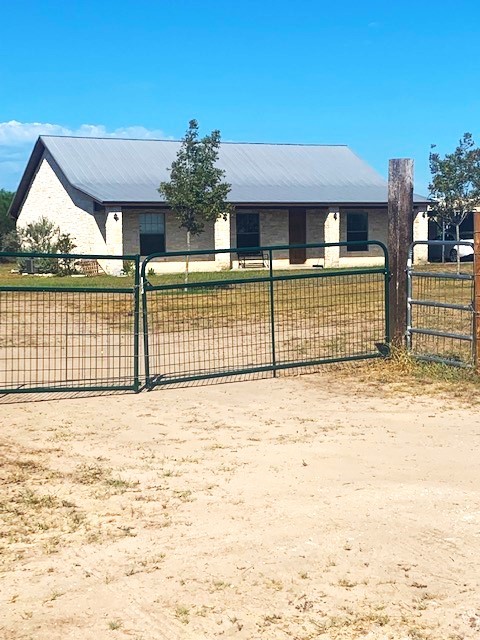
(297,234)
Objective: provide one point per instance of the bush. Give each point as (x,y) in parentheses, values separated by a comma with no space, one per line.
(43,236)
(65,244)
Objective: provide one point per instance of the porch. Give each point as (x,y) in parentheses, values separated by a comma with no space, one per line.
(147,231)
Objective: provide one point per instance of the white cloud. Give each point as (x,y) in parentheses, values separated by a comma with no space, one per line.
(18,133)
(17,139)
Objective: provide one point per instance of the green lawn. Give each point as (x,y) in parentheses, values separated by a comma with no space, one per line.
(10,277)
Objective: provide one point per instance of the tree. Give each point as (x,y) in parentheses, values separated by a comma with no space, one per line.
(455,184)
(7,224)
(196,192)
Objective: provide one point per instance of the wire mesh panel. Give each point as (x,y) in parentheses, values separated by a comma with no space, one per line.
(56,335)
(234,322)
(208,330)
(329,317)
(440,313)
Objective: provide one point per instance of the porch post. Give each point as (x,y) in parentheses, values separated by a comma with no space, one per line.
(222,241)
(113,239)
(332,234)
(420,232)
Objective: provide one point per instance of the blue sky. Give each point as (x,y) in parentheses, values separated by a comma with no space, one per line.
(386,78)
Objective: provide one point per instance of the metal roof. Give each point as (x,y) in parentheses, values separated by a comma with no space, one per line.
(114,170)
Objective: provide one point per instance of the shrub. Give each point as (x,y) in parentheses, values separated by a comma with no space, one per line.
(43,236)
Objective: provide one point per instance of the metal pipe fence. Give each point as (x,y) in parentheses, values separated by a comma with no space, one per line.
(271,320)
(64,332)
(67,326)
(440,310)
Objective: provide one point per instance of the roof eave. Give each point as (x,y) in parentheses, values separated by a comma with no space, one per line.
(26,179)
(273,205)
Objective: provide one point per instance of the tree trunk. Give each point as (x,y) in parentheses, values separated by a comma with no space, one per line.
(443,240)
(187,258)
(457,233)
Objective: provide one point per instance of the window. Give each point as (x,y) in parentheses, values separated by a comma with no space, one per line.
(152,233)
(357,230)
(248,230)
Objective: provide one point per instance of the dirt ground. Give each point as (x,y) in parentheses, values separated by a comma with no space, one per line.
(301,507)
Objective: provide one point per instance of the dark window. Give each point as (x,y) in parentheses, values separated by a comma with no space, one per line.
(152,233)
(248,230)
(357,230)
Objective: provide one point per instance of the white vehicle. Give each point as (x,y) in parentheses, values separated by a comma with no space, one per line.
(465,251)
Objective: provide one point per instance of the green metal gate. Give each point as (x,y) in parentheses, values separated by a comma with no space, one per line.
(59,333)
(268,319)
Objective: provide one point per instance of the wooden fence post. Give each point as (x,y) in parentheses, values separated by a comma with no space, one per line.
(476,289)
(400,235)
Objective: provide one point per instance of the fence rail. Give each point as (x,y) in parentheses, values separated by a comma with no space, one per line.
(60,333)
(60,336)
(440,311)
(270,321)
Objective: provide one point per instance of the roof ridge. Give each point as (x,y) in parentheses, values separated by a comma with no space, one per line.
(277,144)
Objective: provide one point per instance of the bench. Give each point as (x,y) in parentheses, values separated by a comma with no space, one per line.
(253,259)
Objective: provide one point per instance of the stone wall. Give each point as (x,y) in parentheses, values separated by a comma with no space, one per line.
(52,197)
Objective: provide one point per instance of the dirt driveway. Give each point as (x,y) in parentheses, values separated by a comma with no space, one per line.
(301,507)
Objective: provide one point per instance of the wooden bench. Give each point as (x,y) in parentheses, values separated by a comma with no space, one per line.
(253,259)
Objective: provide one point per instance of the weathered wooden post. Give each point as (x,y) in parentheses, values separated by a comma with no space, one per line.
(400,236)
(476,289)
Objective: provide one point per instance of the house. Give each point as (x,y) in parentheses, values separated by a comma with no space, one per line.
(103,191)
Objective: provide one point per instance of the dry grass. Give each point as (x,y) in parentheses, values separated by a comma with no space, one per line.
(403,373)
(32,509)
(38,511)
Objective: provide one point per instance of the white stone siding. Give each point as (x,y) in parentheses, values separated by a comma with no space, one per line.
(51,196)
(420,232)
(222,241)
(332,234)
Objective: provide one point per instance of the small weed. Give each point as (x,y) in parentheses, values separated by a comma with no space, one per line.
(118,485)
(276,585)
(190,459)
(345,582)
(90,474)
(183,614)
(219,585)
(52,545)
(53,596)
(184,496)
(114,625)
(170,473)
